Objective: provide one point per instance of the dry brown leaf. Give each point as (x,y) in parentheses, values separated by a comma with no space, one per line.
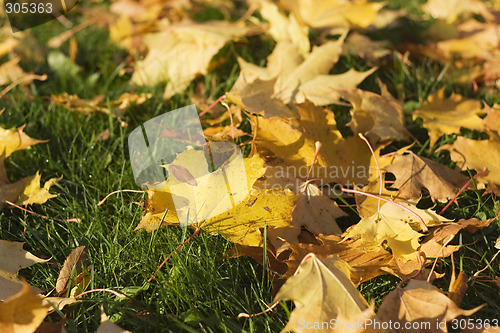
(22,312)
(474,154)
(458,287)
(420,302)
(99,104)
(365,264)
(413,173)
(321,290)
(432,244)
(73,261)
(294,141)
(376,117)
(448,116)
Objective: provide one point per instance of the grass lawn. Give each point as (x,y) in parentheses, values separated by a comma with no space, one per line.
(198,290)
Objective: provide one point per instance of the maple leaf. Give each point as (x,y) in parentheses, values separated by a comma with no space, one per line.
(477,155)
(294,79)
(334,14)
(419,301)
(432,244)
(413,173)
(393,225)
(294,141)
(12,259)
(365,264)
(492,119)
(242,223)
(99,104)
(377,117)
(321,290)
(452,10)
(313,210)
(183,51)
(448,116)
(283,28)
(13,140)
(22,312)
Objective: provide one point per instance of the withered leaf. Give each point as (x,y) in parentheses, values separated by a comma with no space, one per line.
(413,173)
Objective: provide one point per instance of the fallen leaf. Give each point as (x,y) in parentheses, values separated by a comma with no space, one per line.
(22,312)
(294,141)
(321,290)
(13,140)
(474,154)
(294,79)
(335,14)
(107,326)
(448,116)
(73,261)
(452,10)
(458,287)
(34,194)
(179,53)
(414,173)
(421,302)
(375,116)
(393,225)
(432,244)
(283,28)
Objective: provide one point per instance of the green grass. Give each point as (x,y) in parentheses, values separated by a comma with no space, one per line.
(198,290)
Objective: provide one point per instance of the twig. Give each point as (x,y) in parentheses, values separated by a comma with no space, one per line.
(317,144)
(270,308)
(378,168)
(40,215)
(104,289)
(26,78)
(172,253)
(435,261)
(105,198)
(487,265)
(211,106)
(479,174)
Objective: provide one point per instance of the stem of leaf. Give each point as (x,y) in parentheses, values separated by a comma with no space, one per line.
(422,223)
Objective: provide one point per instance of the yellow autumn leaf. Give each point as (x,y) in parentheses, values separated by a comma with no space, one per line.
(478,154)
(448,115)
(294,78)
(22,312)
(393,225)
(321,290)
(13,258)
(34,194)
(283,28)
(12,140)
(294,141)
(334,14)
(181,52)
